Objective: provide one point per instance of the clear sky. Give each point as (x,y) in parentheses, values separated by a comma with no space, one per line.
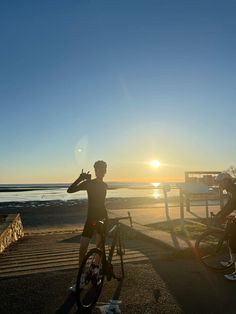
(125,81)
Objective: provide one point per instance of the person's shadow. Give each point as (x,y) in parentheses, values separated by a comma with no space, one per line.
(70,302)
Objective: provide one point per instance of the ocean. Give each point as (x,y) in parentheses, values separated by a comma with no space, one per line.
(43,192)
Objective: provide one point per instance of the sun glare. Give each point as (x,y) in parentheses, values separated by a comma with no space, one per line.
(156,194)
(155,163)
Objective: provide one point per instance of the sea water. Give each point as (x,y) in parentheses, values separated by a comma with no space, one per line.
(44,192)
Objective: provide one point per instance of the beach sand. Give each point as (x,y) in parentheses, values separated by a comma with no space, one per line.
(62,216)
(48,216)
(69,216)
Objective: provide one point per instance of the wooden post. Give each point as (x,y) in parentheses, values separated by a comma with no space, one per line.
(221,195)
(181,198)
(207,210)
(165,190)
(188,202)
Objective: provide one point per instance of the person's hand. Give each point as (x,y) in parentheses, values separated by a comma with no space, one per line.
(85,175)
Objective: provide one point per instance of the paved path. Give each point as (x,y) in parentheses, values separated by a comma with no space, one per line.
(37,271)
(46,253)
(150,214)
(35,274)
(43,253)
(157,280)
(145,218)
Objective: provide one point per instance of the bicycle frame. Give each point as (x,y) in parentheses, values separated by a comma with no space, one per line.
(219,227)
(212,246)
(98,263)
(116,230)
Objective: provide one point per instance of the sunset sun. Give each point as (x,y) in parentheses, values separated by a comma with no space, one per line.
(155,163)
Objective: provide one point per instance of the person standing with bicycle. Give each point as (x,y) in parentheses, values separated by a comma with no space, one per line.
(96,191)
(226,182)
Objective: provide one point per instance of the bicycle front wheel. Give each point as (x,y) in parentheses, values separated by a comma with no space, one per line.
(213,250)
(90,279)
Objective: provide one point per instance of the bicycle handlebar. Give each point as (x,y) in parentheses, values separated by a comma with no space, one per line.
(123,218)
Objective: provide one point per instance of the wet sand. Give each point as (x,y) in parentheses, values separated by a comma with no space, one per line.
(40,216)
(70,215)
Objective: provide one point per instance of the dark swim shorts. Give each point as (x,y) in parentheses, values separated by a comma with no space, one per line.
(89,228)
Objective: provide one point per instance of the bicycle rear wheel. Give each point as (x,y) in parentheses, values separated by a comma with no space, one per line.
(213,250)
(117,262)
(90,279)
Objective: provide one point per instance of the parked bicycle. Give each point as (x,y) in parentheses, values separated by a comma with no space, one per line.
(212,246)
(98,263)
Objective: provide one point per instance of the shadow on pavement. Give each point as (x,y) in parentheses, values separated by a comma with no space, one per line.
(67,306)
(196,289)
(75,239)
(70,302)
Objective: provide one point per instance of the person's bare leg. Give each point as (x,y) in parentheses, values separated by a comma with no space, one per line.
(98,241)
(233,258)
(99,246)
(84,243)
(231,253)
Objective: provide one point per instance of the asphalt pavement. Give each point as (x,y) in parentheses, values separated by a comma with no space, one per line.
(36,272)
(161,276)
(145,220)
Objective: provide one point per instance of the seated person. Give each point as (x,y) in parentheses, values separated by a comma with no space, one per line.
(226,182)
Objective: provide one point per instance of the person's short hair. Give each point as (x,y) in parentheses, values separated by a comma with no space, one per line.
(100,164)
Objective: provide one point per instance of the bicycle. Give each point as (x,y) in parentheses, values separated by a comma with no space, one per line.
(97,264)
(212,247)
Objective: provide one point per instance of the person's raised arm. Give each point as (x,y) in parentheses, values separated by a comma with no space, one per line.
(76,186)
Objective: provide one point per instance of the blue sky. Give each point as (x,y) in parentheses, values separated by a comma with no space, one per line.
(124,81)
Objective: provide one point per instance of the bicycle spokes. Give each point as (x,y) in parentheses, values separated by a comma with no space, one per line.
(90,279)
(213,250)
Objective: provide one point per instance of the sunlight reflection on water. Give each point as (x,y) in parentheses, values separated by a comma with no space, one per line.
(61,194)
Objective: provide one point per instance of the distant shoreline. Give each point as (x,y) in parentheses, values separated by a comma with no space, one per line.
(4,190)
(30,187)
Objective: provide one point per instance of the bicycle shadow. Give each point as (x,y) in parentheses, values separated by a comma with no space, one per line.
(111,305)
(190,283)
(68,304)
(171,235)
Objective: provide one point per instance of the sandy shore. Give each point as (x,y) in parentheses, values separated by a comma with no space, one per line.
(70,215)
(56,216)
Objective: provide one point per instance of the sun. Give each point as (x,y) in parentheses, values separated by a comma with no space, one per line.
(155,163)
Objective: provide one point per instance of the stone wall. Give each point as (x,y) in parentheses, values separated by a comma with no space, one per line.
(11,229)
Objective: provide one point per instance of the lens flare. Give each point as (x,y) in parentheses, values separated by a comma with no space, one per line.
(81,150)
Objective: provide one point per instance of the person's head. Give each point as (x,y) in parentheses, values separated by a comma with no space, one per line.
(100,168)
(224,179)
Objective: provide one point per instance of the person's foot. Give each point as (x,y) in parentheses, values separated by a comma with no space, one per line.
(72,288)
(226,264)
(231,276)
